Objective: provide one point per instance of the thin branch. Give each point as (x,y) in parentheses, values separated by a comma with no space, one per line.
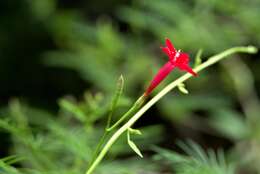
(212,60)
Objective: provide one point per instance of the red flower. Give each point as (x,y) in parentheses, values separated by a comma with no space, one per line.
(176,59)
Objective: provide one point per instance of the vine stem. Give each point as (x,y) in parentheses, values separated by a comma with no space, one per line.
(212,60)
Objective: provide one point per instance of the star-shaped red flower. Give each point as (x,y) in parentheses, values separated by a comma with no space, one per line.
(176,59)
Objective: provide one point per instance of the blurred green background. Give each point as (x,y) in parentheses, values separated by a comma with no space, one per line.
(59,63)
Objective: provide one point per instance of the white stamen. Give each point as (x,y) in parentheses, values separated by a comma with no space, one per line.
(177,55)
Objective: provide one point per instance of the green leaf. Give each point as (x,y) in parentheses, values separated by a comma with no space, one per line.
(132,144)
(118,93)
(135,131)
(73,108)
(135,148)
(182,88)
(197,160)
(198,58)
(12,159)
(221,120)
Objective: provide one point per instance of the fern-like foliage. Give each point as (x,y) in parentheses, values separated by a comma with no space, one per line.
(64,144)
(197,161)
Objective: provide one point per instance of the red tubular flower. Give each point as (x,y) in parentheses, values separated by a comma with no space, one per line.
(176,59)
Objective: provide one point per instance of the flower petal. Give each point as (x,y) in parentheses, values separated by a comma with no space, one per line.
(162,73)
(167,52)
(170,45)
(186,67)
(183,59)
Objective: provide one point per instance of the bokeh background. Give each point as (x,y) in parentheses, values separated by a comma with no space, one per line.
(59,63)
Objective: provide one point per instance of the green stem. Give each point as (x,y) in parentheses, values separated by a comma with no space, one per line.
(132,120)
(100,143)
(131,111)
